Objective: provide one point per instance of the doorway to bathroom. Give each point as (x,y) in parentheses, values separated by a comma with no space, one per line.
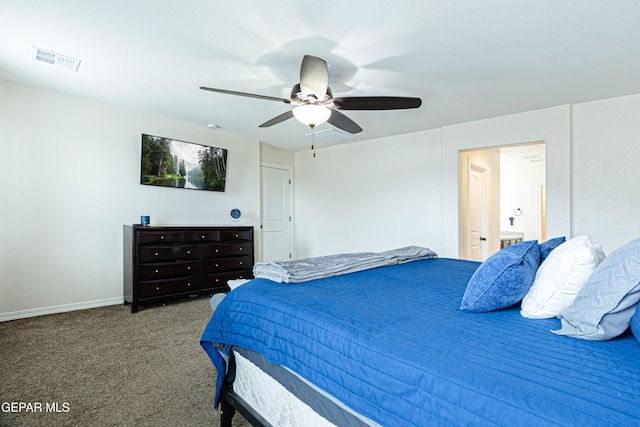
(502,199)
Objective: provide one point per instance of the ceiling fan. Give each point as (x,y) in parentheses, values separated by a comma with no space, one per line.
(315,103)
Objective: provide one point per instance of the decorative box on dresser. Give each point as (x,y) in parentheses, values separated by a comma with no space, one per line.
(164,263)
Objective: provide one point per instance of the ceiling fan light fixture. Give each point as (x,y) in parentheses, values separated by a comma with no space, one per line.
(316,104)
(311,115)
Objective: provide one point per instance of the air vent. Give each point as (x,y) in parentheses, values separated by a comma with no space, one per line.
(330,135)
(56,59)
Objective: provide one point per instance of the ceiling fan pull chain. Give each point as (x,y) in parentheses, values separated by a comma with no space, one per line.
(313,140)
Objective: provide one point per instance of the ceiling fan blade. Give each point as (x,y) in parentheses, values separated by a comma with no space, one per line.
(314,76)
(249,95)
(343,122)
(278,119)
(376,103)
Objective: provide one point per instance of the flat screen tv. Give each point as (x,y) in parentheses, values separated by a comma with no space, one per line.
(171,163)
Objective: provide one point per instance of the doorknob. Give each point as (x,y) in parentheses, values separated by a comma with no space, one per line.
(483,239)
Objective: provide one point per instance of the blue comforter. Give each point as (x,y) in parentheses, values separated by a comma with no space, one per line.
(391,344)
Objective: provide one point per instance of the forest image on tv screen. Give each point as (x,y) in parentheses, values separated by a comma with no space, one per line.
(171,163)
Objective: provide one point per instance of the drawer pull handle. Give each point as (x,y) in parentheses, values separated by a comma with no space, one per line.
(240,262)
(156,253)
(188,252)
(203,237)
(188,284)
(216,265)
(188,268)
(240,249)
(157,288)
(217,250)
(236,235)
(156,270)
(161,237)
(217,280)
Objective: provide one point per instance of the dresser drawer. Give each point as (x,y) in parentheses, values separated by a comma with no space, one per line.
(145,237)
(157,288)
(230,235)
(163,270)
(214,265)
(202,236)
(227,249)
(216,280)
(168,253)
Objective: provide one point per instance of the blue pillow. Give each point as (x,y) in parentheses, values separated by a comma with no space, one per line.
(503,279)
(604,306)
(635,324)
(549,245)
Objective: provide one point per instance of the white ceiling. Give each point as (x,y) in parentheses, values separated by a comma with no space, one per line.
(466,59)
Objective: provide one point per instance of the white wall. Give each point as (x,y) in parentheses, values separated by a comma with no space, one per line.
(551,125)
(274,155)
(606,170)
(369,196)
(404,190)
(71,180)
(520,188)
(71,170)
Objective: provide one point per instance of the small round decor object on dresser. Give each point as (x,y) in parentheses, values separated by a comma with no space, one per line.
(235,213)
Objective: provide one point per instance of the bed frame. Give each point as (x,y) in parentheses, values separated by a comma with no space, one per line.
(230,402)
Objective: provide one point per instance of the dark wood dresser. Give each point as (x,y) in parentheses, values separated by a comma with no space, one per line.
(166,262)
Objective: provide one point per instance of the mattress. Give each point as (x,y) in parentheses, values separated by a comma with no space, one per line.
(285,399)
(391,344)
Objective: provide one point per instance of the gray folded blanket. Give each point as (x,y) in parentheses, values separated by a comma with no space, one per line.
(333,265)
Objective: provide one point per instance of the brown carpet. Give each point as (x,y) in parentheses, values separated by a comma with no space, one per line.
(108,367)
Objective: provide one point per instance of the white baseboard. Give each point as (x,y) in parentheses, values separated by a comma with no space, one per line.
(13,315)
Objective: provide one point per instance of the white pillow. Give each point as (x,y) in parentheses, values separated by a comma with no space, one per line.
(560,277)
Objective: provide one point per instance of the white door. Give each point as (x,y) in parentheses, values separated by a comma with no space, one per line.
(477,214)
(277,218)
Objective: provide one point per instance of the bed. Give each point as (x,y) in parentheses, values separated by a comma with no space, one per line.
(390,346)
